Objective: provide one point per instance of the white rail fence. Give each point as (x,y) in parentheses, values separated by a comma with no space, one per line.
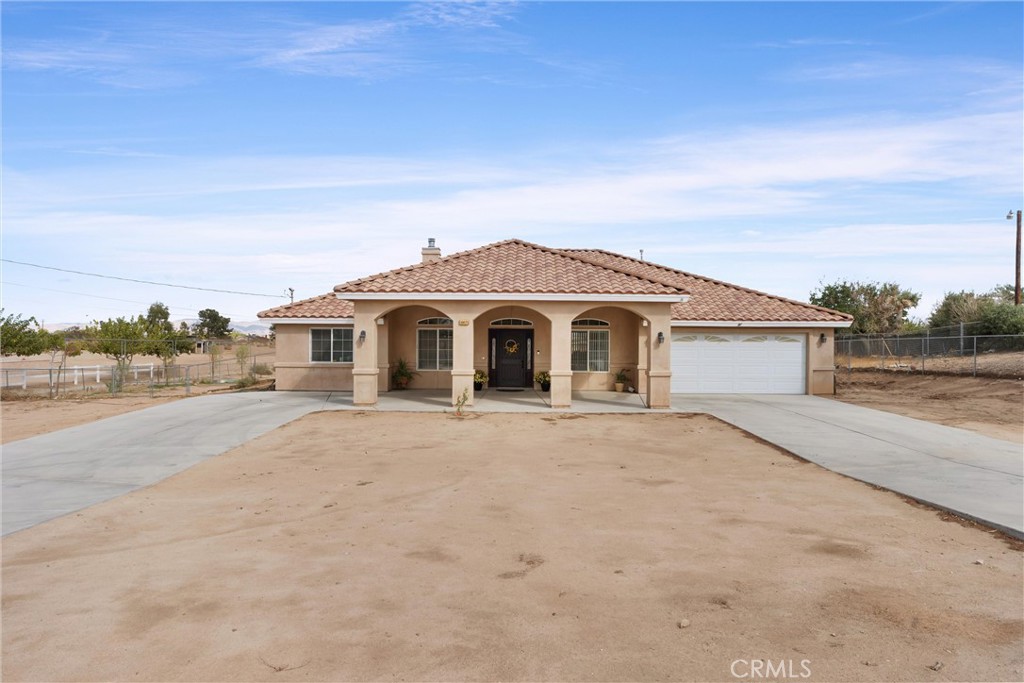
(88,378)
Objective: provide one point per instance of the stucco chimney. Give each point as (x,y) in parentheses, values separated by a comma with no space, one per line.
(431,252)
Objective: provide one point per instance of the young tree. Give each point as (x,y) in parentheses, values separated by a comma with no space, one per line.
(211,325)
(243,353)
(58,345)
(877,308)
(167,343)
(119,339)
(18,336)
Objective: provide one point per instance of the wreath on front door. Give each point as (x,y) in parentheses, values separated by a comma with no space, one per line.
(511,347)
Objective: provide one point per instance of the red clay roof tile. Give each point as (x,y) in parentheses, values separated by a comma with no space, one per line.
(323,306)
(713,300)
(518,267)
(512,267)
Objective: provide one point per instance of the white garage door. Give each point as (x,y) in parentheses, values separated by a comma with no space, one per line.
(739,363)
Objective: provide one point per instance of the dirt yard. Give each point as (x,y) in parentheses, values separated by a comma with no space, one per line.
(387,546)
(994,407)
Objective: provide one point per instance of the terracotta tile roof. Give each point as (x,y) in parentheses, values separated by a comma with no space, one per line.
(512,266)
(323,306)
(713,300)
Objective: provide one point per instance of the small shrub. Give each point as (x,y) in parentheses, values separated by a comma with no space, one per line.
(245,382)
(262,369)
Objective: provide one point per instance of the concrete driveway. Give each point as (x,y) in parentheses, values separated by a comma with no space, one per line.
(53,474)
(972,475)
(975,476)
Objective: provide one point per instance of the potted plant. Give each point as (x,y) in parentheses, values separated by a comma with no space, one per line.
(479,379)
(402,374)
(621,377)
(543,378)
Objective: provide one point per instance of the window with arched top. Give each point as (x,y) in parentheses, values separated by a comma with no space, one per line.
(590,345)
(434,344)
(511,322)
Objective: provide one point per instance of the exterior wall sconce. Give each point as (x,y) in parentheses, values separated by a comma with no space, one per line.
(362,336)
(661,337)
(822,339)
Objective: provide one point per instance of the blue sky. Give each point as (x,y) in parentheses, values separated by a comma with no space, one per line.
(259,146)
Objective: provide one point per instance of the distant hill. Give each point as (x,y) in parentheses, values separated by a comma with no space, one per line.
(256,327)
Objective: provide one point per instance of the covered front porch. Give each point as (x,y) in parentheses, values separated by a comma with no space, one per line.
(579,346)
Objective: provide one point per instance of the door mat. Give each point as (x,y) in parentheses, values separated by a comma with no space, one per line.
(510,389)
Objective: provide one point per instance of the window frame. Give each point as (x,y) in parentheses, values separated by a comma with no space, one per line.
(436,325)
(592,328)
(333,341)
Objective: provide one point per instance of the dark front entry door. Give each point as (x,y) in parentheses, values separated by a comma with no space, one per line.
(511,362)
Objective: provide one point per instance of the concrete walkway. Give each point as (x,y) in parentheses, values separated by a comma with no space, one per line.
(54,474)
(972,475)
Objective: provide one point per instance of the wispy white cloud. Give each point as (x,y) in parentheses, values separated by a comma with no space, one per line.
(463,15)
(777,172)
(794,43)
(170,53)
(368,49)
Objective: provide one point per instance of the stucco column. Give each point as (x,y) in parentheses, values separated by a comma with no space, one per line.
(383,357)
(365,370)
(643,337)
(462,358)
(659,362)
(561,360)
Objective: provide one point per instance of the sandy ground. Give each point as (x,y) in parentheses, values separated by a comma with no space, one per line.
(993,407)
(388,546)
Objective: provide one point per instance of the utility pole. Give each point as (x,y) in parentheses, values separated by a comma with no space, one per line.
(1016,284)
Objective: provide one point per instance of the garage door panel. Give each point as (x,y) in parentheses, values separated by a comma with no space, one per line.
(739,363)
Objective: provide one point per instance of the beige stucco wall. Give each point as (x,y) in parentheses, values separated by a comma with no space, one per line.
(820,361)
(293,370)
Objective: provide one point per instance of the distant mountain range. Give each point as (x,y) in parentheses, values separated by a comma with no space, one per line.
(256,327)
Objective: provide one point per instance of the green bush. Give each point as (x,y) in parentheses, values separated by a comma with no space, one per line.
(1001,318)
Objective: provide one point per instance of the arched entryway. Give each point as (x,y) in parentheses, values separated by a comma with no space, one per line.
(511,346)
(510,343)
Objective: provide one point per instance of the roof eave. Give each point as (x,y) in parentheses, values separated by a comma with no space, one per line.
(517,296)
(309,320)
(763,323)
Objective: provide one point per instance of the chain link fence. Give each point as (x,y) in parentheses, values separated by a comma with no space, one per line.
(944,351)
(166,373)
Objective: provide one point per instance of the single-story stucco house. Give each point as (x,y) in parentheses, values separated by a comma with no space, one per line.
(513,309)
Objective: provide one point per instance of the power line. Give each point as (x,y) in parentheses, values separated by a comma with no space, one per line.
(91,296)
(144,282)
